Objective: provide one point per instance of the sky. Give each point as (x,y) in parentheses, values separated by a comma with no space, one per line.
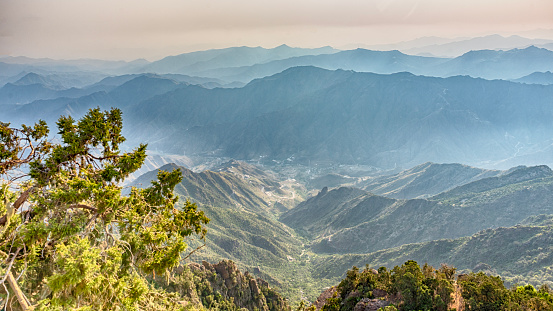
(132,29)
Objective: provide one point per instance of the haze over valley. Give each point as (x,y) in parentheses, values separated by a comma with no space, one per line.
(307,159)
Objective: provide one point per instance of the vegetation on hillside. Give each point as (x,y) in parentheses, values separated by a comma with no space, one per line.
(350,220)
(520,254)
(72,239)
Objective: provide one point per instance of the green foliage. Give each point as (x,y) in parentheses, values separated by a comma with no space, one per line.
(427,288)
(79,244)
(303,306)
(422,289)
(419,289)
(484,292)
(332,304)
(357,286)
(19,146)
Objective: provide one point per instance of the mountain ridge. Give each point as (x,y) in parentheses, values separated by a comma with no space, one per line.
(488,64)
(519,254)
(421,180)
(245,123)
(338,222)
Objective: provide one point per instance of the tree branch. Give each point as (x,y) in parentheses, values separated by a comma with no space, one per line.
(83,206)
(18,293)
(10,264)
(14,286)
(192,252)
(22,198)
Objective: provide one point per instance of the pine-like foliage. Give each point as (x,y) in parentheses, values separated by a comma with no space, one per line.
(69,239)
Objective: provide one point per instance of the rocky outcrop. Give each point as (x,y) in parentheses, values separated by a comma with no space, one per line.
(379,293)
(367,304)
(321,300)
(381,299)
(225,282)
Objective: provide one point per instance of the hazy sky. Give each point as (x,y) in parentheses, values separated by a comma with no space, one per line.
(151,29)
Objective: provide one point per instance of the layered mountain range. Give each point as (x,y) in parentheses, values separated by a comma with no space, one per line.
(310,114)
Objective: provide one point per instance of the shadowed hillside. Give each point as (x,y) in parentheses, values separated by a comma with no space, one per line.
(348,220)
(519,254)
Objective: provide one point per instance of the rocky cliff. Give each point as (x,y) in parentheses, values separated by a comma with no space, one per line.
(224,286)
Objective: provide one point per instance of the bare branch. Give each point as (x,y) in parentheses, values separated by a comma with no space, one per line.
(23,301)
(18,293)
(192,252)
(10,265)
(22,198)
(104,158)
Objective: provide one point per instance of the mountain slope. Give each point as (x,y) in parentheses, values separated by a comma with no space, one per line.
(347,220)
(46,81)
(537,78)
(235,184)
(520,254)
(477,188)
(241,202)
(425,180)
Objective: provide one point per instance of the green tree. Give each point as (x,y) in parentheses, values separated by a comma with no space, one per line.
(356,286)
(483,292)
(527,298)
(69,239)
(423,289)
(409,282)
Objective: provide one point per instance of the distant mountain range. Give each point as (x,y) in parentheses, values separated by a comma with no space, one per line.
(537,78)
(84,72)
(243,64)
(32,87)
(195,63)
(487,64)
(308,115)
(442,47)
